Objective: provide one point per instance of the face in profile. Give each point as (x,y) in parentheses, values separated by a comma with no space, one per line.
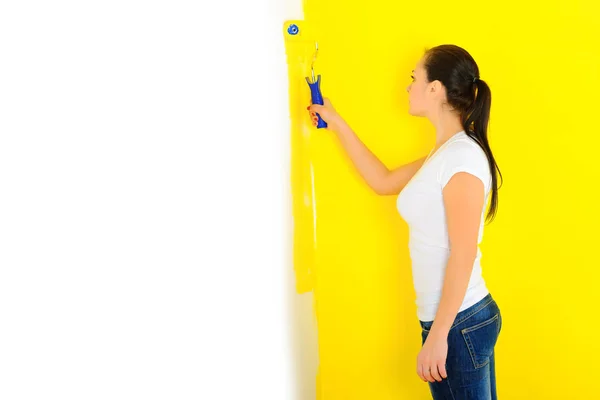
(417,90)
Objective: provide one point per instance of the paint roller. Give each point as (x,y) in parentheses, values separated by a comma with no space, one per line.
(314,83)
(315,88)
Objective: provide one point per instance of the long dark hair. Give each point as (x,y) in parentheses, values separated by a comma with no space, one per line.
(454,67)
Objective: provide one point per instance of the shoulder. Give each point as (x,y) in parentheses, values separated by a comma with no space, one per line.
(464,147)
(464,155)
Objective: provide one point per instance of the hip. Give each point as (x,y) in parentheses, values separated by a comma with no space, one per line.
(482,311)
(472,337)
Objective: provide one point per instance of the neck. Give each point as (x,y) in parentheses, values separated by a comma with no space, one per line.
(446,125)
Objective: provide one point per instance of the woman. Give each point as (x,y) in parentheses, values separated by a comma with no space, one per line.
(443,199)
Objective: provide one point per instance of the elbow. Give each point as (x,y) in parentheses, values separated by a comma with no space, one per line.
(383,187)
(464,254)
(381,190)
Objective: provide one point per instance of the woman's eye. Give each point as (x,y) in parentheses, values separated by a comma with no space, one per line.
(412,77)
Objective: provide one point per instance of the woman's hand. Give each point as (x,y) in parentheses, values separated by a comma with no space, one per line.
(326,111)
(431,362)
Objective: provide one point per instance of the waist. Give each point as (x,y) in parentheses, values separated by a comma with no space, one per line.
(428,303)
(463,315)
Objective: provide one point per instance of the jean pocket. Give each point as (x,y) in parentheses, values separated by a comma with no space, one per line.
(481,339)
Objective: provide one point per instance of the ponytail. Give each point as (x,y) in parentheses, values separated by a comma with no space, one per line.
(475,123)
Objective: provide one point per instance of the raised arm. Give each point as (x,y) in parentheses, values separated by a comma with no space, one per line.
(381,179)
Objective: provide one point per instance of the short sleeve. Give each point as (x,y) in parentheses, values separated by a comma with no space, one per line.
(465,157)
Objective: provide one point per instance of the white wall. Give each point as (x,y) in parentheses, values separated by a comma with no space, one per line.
(144,216)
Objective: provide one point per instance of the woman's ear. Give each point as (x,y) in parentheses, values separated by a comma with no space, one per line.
(438,90)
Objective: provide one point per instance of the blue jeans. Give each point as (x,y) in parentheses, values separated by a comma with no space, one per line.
(470,362)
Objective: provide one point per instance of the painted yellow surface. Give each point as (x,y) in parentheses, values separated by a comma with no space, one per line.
(540,256)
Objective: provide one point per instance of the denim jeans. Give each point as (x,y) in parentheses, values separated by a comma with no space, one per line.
(470,363)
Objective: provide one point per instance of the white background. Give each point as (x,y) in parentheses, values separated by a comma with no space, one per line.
(144,200)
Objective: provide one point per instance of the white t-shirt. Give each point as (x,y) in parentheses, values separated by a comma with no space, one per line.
(421,204)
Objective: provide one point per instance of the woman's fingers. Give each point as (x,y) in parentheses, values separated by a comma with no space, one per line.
(435,373)
(313,118)
(316,108)
(420,372)
(313,115)
(442,369)
(427,373)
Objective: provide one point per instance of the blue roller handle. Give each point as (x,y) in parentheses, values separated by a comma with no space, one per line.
(317,98)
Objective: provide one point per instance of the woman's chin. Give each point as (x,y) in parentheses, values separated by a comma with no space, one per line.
(414,113)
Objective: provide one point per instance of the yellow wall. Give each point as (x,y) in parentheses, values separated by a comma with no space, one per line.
(541,256)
